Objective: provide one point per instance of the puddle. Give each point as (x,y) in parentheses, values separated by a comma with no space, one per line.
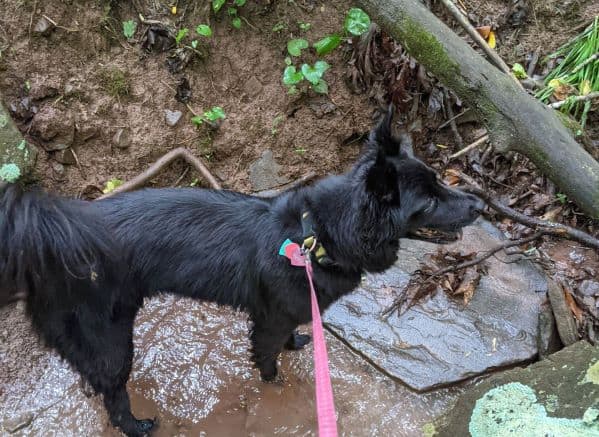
(192,372)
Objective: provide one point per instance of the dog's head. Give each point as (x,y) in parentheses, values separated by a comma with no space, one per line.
(421,205)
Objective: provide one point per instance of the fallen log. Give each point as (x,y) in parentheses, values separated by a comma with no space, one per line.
(515,120)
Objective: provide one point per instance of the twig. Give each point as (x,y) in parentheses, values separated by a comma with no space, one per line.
(58,26)
(478,39)
(154,169)
(31,19)
(492,251)
(288,186)
(455,117)
(180,178)
(585,62)
(454,127)
(589,96)
(548,228)
(470,147)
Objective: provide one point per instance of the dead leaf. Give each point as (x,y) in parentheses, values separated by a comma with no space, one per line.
(484,31)
(578,313)
(469,283)
(552,214)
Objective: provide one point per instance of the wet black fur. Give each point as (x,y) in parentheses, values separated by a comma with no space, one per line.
(86,267)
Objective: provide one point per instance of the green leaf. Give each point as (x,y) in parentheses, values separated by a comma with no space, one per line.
(181,34)
(217,4)
(292,90)
(111,185)
(356,22)
(194,44)
(291,76)
(304,26)
(295,46)
(288,61)
(204,30)
(313,74)
(215,113)
(519,71)
(236,22)
(278,27)
(197,120)
(232,11)
(129,28)
(239,3)
(321,87)
(327,44)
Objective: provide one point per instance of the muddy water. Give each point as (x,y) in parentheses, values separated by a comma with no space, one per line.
(192,372)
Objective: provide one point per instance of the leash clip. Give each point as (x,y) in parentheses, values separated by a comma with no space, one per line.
(307,251)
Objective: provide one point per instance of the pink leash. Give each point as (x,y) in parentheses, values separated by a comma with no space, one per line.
(325,406)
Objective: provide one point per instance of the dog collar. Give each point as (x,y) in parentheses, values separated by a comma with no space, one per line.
(309,238)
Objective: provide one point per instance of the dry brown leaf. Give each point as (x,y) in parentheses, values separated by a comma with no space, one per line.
(576,310)
(452,177)
(484,31)
(469,283)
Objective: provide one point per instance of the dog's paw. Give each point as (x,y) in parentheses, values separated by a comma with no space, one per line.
(297,341)
(268,375)
(142,428)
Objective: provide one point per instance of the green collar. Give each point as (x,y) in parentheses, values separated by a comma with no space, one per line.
(309,238)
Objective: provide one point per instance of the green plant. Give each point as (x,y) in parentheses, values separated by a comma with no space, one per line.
(519,71)
(279,27)
(576,74)
(295,46)
(115,82)
(111,185)
(562,198)
(182,33)
(304,27)
(129,28)
(204,30)
(211,116)
(217,5)
(232,11)
(356,22)
(311,73)
(327,44)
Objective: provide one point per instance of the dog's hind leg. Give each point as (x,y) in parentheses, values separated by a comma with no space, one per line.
(268,336)
(297,341)
(103,356)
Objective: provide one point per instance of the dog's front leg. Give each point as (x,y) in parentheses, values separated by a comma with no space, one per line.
(268,338)
(297,341)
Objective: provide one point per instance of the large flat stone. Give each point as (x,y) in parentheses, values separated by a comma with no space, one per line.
(440,341)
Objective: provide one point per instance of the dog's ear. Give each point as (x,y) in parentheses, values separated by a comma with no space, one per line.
(381,179)
(381,136)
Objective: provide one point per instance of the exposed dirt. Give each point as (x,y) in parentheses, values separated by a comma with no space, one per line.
(83,86)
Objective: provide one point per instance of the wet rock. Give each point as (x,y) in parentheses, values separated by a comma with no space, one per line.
(59,170)
(440,341)
(264,173)
(566,326)
(65,156)
(121,139)
(561,390)
(548,340)
(54,127)
(172,117)
(43,27)
(23,109)
(17,423)
(17,156)
(588,288)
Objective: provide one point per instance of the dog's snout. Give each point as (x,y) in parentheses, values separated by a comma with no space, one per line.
(476,205)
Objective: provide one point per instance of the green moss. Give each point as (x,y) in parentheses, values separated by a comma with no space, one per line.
(3,120)
(592,375)
(429,430)
(115,82)
(10,172)
(512,409)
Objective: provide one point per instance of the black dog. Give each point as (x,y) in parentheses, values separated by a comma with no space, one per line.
(86,267)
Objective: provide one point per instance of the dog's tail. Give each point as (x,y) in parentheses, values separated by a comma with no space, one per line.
(48,244)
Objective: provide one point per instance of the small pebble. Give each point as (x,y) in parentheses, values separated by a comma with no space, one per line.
(172,117)
(121,139)
(43,27)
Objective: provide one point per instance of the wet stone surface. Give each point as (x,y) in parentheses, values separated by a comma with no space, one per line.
(440,341)
(192,371)
(264,173)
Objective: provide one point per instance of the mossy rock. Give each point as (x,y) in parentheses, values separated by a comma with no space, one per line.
(17,156)
(555,396)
